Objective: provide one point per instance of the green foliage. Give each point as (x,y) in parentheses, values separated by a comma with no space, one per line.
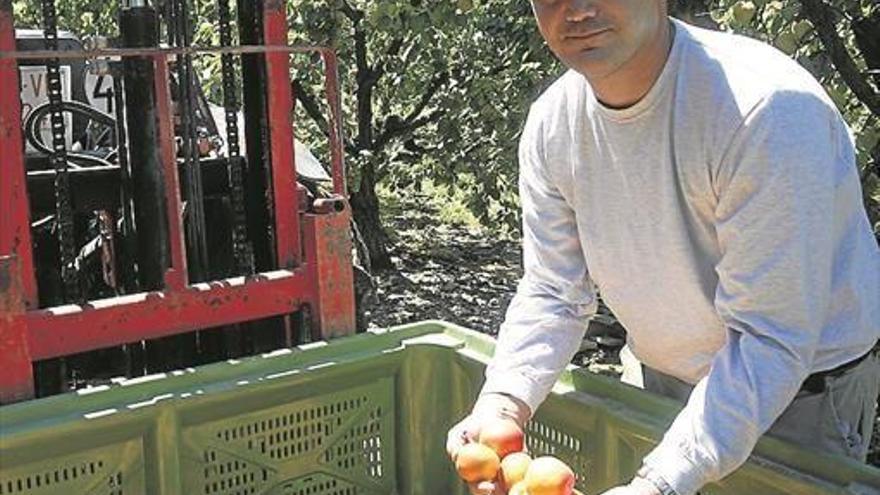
(87,18)
(437,90)
(82,17)
(450,85)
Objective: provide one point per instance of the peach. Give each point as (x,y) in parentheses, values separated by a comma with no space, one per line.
(549,476)
(518,489)
(514,467)
(476,462)
(503,436)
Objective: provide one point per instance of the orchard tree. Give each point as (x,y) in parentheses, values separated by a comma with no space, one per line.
(435,89)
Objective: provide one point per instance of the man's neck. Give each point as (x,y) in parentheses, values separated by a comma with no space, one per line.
(629,84)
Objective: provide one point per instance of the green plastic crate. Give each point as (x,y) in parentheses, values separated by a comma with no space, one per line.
(362,415)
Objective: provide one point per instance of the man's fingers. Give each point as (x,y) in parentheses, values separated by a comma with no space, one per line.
(460,434)
(620,490)
(455,440)
(482,488)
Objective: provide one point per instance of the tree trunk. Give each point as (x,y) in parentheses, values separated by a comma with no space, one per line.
(365,209)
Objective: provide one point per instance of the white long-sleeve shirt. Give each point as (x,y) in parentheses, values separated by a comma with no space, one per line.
(721,219)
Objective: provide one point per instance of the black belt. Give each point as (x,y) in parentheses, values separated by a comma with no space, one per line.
(815,383)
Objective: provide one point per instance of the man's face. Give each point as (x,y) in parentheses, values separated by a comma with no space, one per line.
(597,37)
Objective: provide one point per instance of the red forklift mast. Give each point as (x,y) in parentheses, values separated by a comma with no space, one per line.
(289,267)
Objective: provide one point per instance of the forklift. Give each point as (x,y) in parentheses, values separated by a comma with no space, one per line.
(146,229)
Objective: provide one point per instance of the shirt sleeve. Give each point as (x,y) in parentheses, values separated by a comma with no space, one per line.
(788,192)
(548,316)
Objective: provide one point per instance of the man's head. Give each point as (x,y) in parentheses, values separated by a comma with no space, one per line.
(599,37)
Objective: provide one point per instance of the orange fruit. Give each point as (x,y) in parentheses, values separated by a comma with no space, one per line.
(514,467)
(476,462)
(549,476)
(518,489)
(503,436)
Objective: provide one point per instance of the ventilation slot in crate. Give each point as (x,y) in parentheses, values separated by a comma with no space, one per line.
(344,440)
(63,479)
(542,439)
(226,475)
(290,435)
(319,484)
(360,449)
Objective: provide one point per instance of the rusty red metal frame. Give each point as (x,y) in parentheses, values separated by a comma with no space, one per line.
(320,277)
(166,52)
(16,379)
(176,276)
(118,320)
(15,224)
(328,257)
(337,147)
(280,99)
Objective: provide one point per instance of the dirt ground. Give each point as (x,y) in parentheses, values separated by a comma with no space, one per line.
(464,275)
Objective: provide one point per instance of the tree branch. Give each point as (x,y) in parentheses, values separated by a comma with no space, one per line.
(364,71)
(408,57)
(365,77)
(393,51)
(353,14)
(866,31)
(823,17)
(314,112)
(395,126)
(416,125)
(437,82)
(425,120)
(310,105)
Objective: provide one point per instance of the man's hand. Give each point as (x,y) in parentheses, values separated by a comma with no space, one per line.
(489,407)
(637,486)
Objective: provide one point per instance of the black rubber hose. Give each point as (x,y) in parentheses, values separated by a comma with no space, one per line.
(40,112)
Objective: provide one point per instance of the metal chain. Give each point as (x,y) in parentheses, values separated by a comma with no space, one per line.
(58,158)
(128,231)
(244,255)
(197,249)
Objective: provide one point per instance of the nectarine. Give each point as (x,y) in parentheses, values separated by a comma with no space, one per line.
(476,462)
(549,476)
(514,467)
(503,436)
(518,489)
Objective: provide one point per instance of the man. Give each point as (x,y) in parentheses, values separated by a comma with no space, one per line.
(707,186)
